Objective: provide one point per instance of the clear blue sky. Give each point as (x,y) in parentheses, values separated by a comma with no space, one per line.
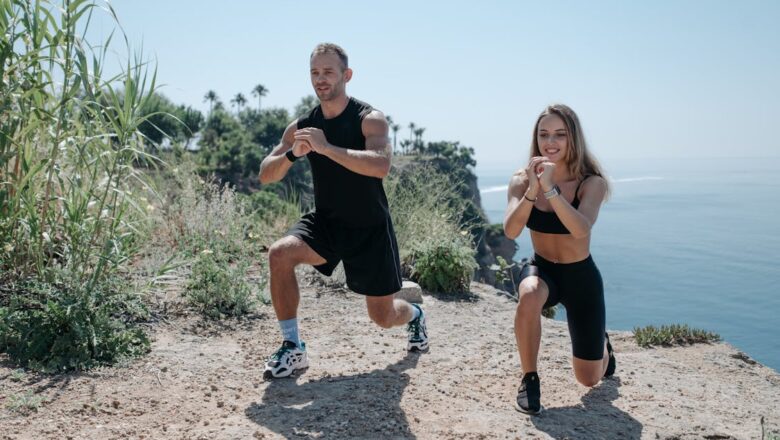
(657,79)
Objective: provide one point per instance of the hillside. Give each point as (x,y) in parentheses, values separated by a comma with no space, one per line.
(203,381)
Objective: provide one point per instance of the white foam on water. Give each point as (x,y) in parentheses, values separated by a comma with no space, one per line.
(635,179)
(494,189)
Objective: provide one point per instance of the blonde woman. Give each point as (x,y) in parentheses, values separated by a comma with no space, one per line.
(557,197)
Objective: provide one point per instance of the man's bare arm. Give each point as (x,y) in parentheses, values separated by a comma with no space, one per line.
(275,166)
(374,161)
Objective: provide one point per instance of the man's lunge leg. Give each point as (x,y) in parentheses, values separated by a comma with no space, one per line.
(285,295)
(283,257)
(387,312)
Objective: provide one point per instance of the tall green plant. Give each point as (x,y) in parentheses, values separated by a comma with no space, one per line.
(68,141)
(425,206)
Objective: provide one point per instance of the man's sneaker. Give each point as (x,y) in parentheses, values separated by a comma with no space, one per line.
(288,358)
(529,395)
(418,332)
(612,363)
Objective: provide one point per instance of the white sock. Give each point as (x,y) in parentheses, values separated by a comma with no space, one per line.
(416,312)
(290,330)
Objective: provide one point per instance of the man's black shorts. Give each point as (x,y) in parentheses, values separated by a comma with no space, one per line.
(370,254)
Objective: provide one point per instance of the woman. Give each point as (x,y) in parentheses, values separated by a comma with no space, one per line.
(557,197)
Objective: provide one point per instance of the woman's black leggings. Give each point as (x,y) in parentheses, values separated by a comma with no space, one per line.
(578,286)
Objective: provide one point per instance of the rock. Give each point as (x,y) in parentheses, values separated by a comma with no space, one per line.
(410,291)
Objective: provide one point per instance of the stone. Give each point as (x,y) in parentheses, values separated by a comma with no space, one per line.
(411,292)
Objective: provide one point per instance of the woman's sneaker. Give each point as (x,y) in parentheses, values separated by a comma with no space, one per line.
(418,332)
(288,358)
(612,364)
(529,395)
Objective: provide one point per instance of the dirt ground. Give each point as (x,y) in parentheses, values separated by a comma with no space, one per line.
(204,381)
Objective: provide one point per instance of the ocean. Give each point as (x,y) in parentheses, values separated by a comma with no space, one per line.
(684,241)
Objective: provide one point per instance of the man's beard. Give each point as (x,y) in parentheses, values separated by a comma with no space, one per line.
(334,92)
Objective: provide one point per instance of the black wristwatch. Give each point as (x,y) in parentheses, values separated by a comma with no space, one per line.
(290,156)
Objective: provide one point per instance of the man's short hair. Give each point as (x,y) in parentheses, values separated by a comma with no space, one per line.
(324,48)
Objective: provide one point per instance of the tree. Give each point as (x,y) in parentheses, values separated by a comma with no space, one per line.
(239,100)
(418,142)
(412,126)
(307,103)
(267,127)
(259,91)
(447,150)
(164,119)
(395,128)
(192,120)
(405,145)
(465,157)
(212,98)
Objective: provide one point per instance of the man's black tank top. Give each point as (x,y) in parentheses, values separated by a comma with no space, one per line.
(340,194)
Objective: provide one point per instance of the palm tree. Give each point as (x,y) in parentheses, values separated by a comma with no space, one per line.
(418,142)
(412,126)
(405,145)
(395,128)
(211,97)
(418,133)
(259,91)
(239,100)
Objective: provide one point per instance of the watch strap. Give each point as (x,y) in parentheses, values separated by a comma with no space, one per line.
(290,156)
(555,191)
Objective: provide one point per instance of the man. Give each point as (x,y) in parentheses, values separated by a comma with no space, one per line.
(346,142)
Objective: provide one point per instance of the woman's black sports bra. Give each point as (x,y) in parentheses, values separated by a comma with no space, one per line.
(548,222)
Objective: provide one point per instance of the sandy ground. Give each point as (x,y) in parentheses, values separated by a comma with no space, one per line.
(204,381)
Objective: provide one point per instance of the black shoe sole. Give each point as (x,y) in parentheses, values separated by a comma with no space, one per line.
(267,375)
(528,411)
(418,349)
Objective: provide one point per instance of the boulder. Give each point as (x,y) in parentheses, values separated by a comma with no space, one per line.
(411,292)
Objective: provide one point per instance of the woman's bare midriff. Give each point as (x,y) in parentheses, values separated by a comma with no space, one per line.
(560,248)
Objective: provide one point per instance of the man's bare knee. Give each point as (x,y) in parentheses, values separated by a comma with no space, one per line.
(382,320)
(282,254)
(381,313)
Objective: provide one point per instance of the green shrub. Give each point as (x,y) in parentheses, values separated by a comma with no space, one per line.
(220,234)
(675,334)
(69,141)
(63,326)
(218,288)
(503,272)
(443,266)
(550,312)
(25,403)
(198,215)
(17,375)
(424,206)
(273,213)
